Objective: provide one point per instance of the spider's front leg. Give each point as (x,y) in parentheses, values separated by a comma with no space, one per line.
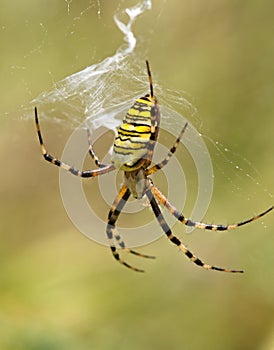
(48,157)
(159,216)
(180,217)
(111,230)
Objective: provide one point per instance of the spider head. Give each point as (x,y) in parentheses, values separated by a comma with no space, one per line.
(136,182)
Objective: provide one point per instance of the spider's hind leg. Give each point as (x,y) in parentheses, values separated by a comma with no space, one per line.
(172,150)
(92,153)
(51,159)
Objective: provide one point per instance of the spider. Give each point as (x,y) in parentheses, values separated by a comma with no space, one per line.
(132,153)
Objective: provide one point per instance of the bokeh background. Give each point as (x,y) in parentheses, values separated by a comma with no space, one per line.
(59,290)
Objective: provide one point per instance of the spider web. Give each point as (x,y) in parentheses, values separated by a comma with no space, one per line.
(101,86)
(99,95)
(96,97)
(110,85)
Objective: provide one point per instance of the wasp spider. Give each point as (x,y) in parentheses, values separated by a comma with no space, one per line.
(132,153)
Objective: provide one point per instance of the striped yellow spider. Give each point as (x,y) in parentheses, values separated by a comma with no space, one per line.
(132,153)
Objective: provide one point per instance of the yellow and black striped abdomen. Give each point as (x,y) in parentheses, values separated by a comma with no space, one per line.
(131,143)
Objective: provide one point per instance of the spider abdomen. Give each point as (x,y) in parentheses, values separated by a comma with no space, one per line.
(131,143)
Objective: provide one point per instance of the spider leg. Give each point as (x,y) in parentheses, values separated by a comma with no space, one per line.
(176,241)
(179,216)
(48,157)
(154,131)
(92,153)
(172,150)
(113,215)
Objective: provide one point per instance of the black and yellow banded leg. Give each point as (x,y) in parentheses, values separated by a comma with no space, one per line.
(112,234)
(179,216)
(177,242)
(92,153)
(150,79)
(48,157)
(154,130)
(155,119)
(172,150)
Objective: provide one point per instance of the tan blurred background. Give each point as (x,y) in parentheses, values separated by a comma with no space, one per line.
(59,290)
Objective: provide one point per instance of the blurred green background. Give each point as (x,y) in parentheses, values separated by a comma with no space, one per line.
(59,290)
